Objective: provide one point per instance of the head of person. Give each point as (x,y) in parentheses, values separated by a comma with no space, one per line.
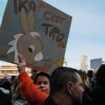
(42,80)
(33,73)
(83,76)
(68,82)
(90,74)
(94,75)
(17,94)
(100,76)
(5,84)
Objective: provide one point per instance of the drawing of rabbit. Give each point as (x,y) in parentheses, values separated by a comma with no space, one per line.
(27,43)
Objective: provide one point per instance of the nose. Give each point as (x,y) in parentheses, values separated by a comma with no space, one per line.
(41,85)
(38,57)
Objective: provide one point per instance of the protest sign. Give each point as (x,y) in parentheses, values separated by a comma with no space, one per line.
(36,30)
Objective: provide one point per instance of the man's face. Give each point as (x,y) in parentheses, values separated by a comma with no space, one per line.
(43,84)
(77,90)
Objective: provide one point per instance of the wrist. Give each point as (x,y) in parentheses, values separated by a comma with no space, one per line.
(20,71)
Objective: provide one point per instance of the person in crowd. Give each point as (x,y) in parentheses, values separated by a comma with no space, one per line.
(14,84)
(33,74)
(86,99)
(94,75)
(42,80)
(8,77)
(33,93)
(91,82)
(39,96)
(98,95)
(84,78)
(5,92)
(18,97)
(66,87)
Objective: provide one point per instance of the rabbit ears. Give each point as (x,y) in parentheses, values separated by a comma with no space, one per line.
(27,21)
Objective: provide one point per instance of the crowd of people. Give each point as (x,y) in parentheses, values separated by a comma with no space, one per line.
(65,86)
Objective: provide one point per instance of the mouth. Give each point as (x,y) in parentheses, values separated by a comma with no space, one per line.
(45,91)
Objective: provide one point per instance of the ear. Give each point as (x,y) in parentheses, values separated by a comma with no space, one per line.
(69,87)
(31,20)
(24,20)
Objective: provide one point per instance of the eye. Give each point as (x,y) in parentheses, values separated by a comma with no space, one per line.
(38,83)
(45,82)
(31,48)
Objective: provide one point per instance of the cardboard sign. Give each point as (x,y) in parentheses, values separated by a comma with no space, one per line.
(36,30)
(95,63)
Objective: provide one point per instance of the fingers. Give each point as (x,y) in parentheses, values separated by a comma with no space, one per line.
(22,59)
(15,62)
(20,65)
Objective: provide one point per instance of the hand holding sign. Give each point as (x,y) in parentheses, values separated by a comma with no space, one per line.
(22,64)
(36,30)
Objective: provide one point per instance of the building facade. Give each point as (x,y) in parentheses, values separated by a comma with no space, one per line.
(11,70)
(84,63)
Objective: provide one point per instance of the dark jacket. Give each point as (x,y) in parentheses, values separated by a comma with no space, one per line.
(98,96)
(5,97)
(86,99)
(48,101)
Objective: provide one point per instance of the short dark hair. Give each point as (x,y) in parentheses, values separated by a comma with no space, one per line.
(60,77)
(100,75)
(33,70)
(90,73)
(41,74)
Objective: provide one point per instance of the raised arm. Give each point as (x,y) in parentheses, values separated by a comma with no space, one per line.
(29,89)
